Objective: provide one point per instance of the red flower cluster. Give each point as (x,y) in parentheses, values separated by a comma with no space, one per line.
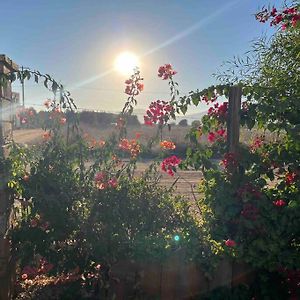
(31,272)
(47,136)
(209,100)
(219,111)
(279,203)
(230,161)
(256,144)
(289,17)
(133,87)
(92,142)
(219,135)
(290,178)
(166,71)
(230,243)
(159,112)
(168,145)
(48,103)
(103,181)
(248,190)
(130,146)
(24,114)
(249,211)
(169,164)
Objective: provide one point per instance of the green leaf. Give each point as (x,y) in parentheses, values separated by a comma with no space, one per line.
(195,100)
(183,109)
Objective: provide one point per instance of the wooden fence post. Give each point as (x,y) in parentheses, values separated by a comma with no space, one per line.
(233,119)
(6,261)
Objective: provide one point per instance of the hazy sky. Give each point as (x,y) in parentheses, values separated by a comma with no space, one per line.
(77,40)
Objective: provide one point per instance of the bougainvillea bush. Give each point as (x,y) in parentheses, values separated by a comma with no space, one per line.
(251,201)
(82,209)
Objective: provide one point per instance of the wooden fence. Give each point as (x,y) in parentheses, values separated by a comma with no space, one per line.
(175,279)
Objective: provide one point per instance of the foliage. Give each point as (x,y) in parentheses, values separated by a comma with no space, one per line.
(183,123)
(251,203)
(81,208)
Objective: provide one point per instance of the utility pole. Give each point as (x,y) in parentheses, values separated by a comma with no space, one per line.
(23,88)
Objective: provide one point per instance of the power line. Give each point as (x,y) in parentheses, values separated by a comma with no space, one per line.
(108,90)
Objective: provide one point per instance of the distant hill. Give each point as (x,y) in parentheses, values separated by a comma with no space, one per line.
(190,117)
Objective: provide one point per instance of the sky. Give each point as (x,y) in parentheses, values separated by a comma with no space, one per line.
(77,41)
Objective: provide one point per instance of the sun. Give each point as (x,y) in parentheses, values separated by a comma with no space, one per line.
(126,62)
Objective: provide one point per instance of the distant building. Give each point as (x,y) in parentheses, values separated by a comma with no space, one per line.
(7,110)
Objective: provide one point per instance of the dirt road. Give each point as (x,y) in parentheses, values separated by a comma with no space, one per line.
(186,183)
(28,136)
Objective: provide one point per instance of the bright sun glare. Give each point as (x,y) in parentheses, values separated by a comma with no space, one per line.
(126,62)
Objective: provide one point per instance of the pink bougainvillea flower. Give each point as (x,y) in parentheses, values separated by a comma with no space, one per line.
(229,161)
(101,185)
(169,164)
(63,121)
(24,276)
(102,181)
(47,103)
(168,145)
(279,203)
(113,182)
(219,111)
(166,71)
(273,12)
(290,178)
(98,267)
(286,18)
(134,85)
(128,90)
(100,176)
(24,120)
(101,143)
(130,146)
(33,223)
(221,132)
(209,100)
(211,137)
(44,226)
(138,135)
(128,81)
(257,143)
(140,86)
(26,178)
(159,112)
(230,243)
(47,136)
(295,20)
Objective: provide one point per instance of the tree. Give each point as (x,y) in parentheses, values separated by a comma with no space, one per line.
(183,123)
